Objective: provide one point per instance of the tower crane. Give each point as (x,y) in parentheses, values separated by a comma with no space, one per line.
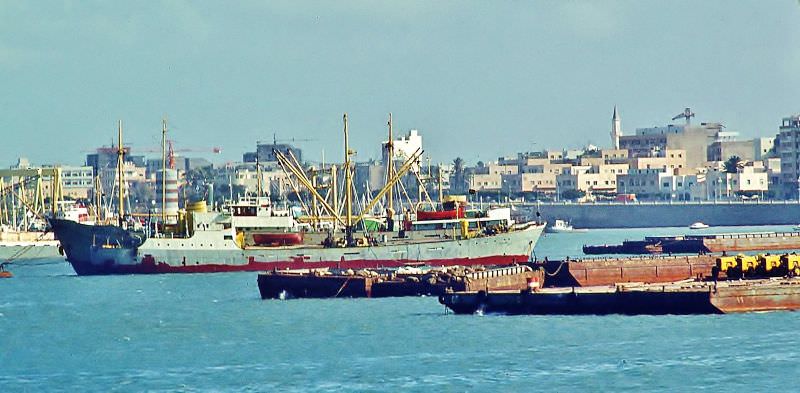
(687,114)
(214,149)
(275,140)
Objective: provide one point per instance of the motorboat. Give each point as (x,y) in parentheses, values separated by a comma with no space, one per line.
(698,225)
(562,226)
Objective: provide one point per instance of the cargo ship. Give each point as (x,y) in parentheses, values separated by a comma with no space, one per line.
(253,235)
(223,242)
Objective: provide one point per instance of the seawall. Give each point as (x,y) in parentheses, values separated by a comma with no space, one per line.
(660,214)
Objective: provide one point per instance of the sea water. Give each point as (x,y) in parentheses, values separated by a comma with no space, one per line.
(212,332)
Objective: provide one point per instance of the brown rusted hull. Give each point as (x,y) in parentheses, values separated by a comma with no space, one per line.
(654,299)
(729,242)
(609,271)
(754,242)
(772,296)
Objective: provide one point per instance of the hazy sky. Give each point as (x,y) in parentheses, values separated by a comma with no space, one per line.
(478,79)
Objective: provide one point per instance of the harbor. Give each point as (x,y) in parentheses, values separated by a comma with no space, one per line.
(332,197)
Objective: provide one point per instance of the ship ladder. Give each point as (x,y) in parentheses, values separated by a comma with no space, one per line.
(342,287)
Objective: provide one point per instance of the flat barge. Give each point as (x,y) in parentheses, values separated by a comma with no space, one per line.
(705,243)
(607,271)
(688,297)
(323,283)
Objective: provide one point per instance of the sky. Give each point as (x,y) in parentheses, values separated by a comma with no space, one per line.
(478,79)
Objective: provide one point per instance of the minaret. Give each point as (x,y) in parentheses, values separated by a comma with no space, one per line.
(616,129)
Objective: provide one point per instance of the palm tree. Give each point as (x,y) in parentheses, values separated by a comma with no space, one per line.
(732,164)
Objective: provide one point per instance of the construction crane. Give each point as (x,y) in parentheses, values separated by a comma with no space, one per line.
(214,150)
(687,114)
(275,140)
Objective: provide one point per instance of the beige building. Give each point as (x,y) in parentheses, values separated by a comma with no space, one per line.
(724,150)
(490,177)
(693,140)
(529,182)
(595,179)
(644,182)
(667,160)
(485,181)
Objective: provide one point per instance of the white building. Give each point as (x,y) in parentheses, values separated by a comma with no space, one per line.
(748,181)
(78,181)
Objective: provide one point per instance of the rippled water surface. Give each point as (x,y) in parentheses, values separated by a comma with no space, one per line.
(212,332)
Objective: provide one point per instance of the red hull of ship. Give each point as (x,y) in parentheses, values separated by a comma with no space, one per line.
(150,266)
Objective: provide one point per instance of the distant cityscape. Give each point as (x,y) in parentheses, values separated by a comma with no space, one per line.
(675,162)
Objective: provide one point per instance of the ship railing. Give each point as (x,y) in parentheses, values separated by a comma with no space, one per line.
(627,258)
(657,203)
(506,271)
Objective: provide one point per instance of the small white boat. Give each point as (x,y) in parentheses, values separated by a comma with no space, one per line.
(561,226)
(698,225)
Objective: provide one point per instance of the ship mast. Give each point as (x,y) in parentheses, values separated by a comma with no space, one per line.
(390,168)
(348,184)
(121,175)
(259,187)
(163,171)
(440,185)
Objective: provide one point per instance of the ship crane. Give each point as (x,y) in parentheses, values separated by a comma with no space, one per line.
(687,114)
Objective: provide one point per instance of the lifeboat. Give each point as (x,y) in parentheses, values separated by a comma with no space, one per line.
(276,239)
(440,215)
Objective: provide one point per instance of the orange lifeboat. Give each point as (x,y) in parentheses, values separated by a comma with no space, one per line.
(441,215)
(276,239)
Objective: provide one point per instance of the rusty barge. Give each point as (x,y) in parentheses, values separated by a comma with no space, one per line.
(688,297)
(606,271)
(703,243)
(323,283)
